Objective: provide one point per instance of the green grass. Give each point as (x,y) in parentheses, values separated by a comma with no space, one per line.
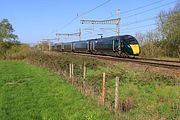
(145,95)
(32,93)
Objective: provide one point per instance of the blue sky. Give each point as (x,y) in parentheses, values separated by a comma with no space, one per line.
(34,20)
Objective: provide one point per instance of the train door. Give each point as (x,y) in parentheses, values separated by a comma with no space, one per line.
(116,44)
(62,47)
(92,46)
(88,46)
(73,46)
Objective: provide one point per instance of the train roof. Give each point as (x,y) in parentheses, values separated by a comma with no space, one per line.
(58,43)
(110,38)
(99,39)
(79,41)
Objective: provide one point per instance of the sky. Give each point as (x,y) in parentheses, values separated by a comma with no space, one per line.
(35,20)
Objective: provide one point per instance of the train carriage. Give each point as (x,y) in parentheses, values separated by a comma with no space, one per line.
(104,45)
(67,47)
(59,46)
(81,46)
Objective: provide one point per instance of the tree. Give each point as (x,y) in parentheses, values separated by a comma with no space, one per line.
(6,31)
(169,27)
(166,40)
(7,38)
(150,44)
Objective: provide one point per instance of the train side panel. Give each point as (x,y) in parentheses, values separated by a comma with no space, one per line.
(106,46)
(67,47)
(59,47)
(81,46)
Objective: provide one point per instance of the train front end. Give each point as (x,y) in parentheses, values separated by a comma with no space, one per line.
(131,45)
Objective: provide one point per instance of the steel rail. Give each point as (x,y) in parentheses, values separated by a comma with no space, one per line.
(144,61)
(153,62)
(153,59)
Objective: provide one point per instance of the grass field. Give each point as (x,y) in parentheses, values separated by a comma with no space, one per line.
(143,95)
(31,93)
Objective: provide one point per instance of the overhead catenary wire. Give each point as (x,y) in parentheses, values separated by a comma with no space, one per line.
(83,14)
(87,12)
(98,31)
(134,9)
(132,29)
(138,21)
(141,26)
(143,30)
(94,8)
(147,5)
(142,20)
(145,11)
(147,19)
(125,30)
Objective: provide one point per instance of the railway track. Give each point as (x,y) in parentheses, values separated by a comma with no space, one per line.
(144,61)
(153,59)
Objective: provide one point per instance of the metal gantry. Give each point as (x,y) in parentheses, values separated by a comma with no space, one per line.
(110,21)
(70,34)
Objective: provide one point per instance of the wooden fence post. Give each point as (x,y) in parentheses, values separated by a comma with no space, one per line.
(104,88)
(84,71)
(102,99)
(116,95)
(83,87)
(70,70)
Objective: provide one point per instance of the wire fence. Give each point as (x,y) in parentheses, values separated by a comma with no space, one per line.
(111,92)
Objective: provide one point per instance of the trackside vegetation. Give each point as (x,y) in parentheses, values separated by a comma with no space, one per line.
(142,95)
(164,41)
(32,93)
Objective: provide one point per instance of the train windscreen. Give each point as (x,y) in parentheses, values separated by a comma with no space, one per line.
(131,40)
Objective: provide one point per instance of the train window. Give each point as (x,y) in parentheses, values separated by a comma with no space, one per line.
(131,41)
(81,45)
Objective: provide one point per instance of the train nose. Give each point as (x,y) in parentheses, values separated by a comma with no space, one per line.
(135,49)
